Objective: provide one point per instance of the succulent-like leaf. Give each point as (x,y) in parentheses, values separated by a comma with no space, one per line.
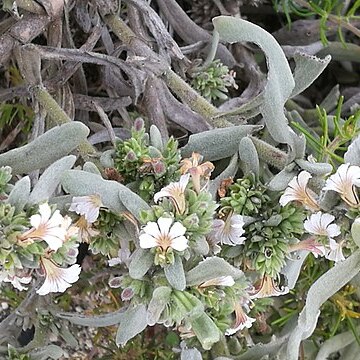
(50,179)
(249,156)
(93,321)
(141,261)
(280,82)
(132,323)
(160,298)
(156,138)
(175,274)
(91,168)
(314,168)
(218,143)
(281,180)
(19,195)
(81,183)
(133,202)
(205,330)
(46,149)
(48,352)
(334,344)
(230,171)
(190,354)
(211,268)
(292,268)
(307,70)
(323,288)
(352,155)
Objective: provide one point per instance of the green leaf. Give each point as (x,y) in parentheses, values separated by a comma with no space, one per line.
(218,143)
(48,352)
(334,344)
(20,193)
(133,202)
(175,274)
(280,82)
(314,168)
(205,330)
(190,354)
(352,155)
(230,171)
(91,168)
(323,288)
(141,262)
(50,179)
(355,231)
(46,149)
(81,183)
(132,323)
(160,298)
(307,70)
(93,321)
(211,268)
(281,180)
(249,156)
(155,138)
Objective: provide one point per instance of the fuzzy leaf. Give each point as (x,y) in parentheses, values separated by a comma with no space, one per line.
(132,323)
(155,138)
(307,70)
(218,143)
(19,195)
(292,268)
(133,202)
(160,298)
(81,183)
(323,288)
(230,171)
(280,82)
(91,168)
(46,149)
(249,156)
(205,330)
(175,274)
(141,261)
(48,352)
(50,179)
(93,321)
(334,344)
(211,268)
(281,180)
(314,168)
(259,350)
(190,354)
(352,156)
(106,158)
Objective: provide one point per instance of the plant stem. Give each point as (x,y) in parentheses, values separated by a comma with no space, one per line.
(188,95)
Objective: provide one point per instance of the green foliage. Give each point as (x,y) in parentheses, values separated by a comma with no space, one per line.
(213,81)
(334,135)
(10,113)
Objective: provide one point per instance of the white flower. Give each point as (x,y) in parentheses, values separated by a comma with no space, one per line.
(219,281)
(297,191)
(123,257)
(50,228)
(164,233)
(228,232)
(267,287)
(176,192)
(85,230)
(335,253)
(88,206)
(57,279)
(319,224)
(311,245)
(344,181)
(242,321)
(16,281)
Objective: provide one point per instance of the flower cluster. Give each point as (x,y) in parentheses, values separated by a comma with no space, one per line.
(319,224)
(150,168)
(214,81)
